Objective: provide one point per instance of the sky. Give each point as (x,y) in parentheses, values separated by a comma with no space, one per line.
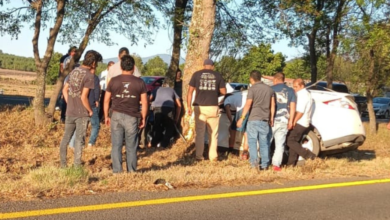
(162,45)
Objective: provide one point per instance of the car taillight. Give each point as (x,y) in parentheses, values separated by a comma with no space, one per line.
(339,103)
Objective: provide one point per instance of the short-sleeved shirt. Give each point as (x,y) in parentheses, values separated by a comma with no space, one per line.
(78,79)
(103,79)
(62,59)
(116,70)
(164,97)
(236,101)
(261,95)
(207,84)
(305,106)
(67,61)
(284,95)
(126,93)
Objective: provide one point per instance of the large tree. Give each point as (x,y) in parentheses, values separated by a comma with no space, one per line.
(39,12)
(368,45)
(132,19)
(200,35)
(76,22)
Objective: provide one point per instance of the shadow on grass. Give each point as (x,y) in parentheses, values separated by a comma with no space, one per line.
(355,155)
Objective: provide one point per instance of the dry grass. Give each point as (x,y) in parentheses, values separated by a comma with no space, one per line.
(30,159)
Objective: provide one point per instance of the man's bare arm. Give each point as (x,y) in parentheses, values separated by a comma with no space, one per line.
(65,92)
(189,98)
(85,101)
(178,110)
(272,111)
(107,98)
(293,106)
(144,109)
(222,91)
(228,113)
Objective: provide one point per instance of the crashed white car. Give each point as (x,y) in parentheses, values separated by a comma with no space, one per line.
(335,127)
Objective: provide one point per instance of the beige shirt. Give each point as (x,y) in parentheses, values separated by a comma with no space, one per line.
(116,70)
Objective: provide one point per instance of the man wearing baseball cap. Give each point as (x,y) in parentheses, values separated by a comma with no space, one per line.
(208,85)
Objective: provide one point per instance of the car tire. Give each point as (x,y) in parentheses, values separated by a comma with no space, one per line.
(311,142)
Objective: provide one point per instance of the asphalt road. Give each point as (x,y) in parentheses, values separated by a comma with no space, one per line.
(352,202)
(18,100)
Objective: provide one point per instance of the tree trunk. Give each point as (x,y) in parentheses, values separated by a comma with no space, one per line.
(98,15)
(178,21)
(201,32)
(42,64)
(313,55)
(335,43)
(39,100)
(371,113)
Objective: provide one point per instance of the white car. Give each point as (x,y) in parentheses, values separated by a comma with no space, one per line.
(335,127)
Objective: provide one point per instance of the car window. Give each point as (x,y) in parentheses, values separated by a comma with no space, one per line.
(381,100)
(148,80)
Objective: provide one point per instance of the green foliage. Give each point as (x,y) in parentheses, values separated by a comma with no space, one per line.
(297,68)
(9,61)
(138,62)
(155,67)
(263,59)
(229,67)
(53,69)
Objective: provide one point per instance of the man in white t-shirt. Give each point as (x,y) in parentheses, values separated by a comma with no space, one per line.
(103,85)
(115,70)
(236,102)
(301,124)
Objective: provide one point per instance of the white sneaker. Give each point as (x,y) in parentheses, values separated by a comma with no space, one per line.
(57,108)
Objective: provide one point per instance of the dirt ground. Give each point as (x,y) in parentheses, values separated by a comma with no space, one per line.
(29,162)
(20,83)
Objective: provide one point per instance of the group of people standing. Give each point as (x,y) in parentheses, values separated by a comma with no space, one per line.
(267,113)
(123,101)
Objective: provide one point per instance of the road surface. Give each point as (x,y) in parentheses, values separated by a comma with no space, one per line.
(291,201)
(18,100)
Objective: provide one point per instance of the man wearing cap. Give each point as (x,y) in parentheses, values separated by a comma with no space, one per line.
(208,85)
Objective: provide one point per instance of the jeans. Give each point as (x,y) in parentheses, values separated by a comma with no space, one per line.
(258,132)
(123,124)
(101,105)
(279,133)
(95,123)
(72,124)
(294,143)
(63,109)
(163,127)
(206,116)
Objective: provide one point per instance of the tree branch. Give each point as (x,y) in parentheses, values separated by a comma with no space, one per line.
(37,31)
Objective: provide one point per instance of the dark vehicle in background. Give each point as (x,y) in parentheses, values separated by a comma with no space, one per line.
(361,103)
(381,107)
(239,86)
(337,87)
(152,82)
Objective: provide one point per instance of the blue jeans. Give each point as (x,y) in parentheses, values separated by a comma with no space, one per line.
(123,124)
(258,132)
(279,133)
(74,126)
(95,123)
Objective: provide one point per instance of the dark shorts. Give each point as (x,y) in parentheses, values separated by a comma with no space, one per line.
(233,126)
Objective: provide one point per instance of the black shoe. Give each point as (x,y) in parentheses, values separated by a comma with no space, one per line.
(263,168)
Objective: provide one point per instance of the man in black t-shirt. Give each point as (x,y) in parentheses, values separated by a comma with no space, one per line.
(126,92)
(208,85)
(78,112)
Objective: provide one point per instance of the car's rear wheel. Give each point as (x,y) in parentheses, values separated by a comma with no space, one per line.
(311,142)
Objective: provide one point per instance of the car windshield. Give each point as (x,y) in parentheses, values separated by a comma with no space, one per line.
(148,80)
(381,100)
